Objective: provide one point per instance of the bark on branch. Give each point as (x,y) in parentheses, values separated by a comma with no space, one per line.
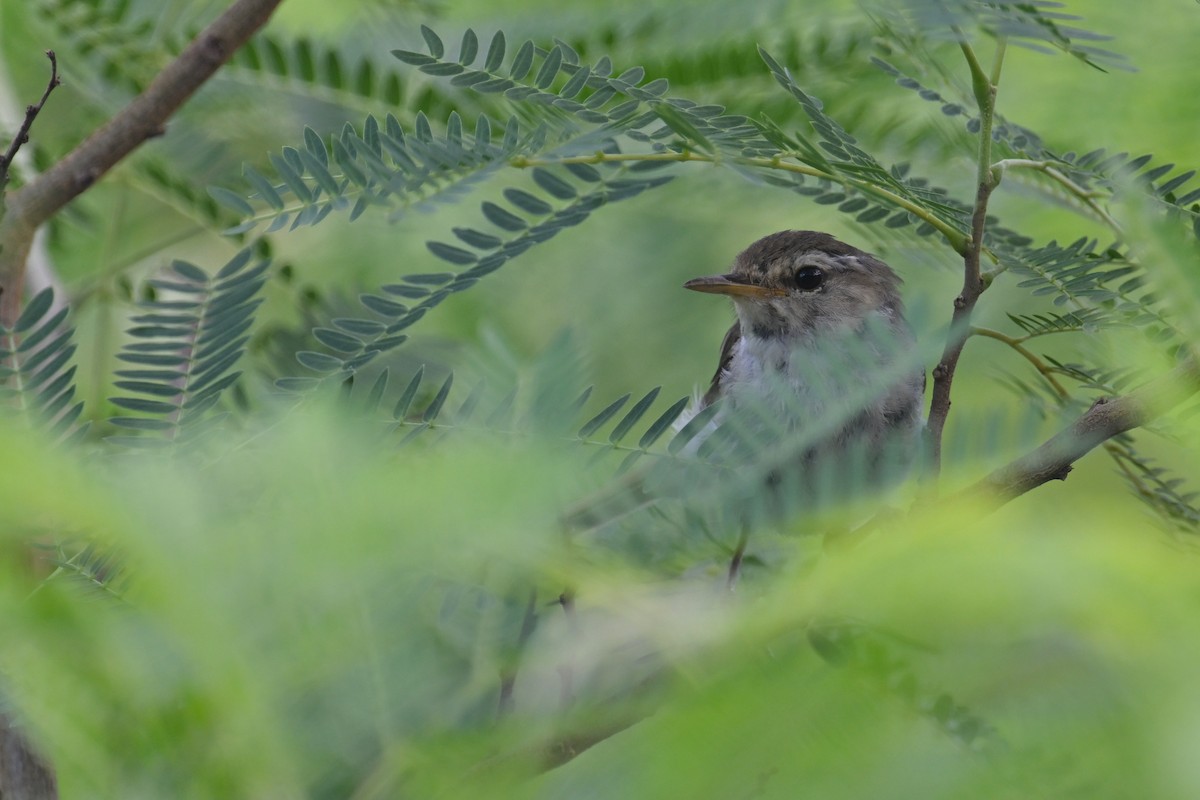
(1108,417)
(144,118)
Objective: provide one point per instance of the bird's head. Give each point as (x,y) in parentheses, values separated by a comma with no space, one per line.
(797,283)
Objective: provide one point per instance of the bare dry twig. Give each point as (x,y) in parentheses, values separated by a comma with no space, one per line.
(144,118)
(31,113)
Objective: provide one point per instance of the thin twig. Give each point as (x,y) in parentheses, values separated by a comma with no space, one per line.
(31,113)
(508,679)
(964,304)
(144,118)
(1044,369)
(735,563)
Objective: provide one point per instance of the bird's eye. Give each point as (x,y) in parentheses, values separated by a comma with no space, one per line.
(809,279)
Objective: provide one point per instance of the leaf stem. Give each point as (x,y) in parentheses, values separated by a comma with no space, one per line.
(1081,193)
(952,236)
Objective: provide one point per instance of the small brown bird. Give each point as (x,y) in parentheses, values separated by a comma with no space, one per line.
(822,347)
(810,307)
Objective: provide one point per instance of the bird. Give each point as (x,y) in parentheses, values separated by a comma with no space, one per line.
(808,304)
(821,361)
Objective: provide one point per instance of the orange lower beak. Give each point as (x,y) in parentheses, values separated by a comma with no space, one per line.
(735,287)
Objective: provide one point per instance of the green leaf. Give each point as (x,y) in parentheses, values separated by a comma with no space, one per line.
(142,423)
(233,202)
(575,83)
(527,202)
(291,176)
(147,387)
(553,185)
(549,69)
(663,423)
(436,48)
(319,362)
(429,278)
(635,414)
(435,407)
(495,53)
(140,404)
(452,254)
(469,48)
(594,424)
(522,62)
(502,218)
(314,146)
(336,340)
(363,327)
(382,305)
(35,310)
(319,173)
(478,239)
(693,428)
(416,59)
(407,396)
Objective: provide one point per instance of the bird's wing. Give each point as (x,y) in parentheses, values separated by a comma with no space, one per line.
(714,389)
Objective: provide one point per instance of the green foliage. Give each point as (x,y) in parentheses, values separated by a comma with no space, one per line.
(36,369)
(458,584)
(183,350)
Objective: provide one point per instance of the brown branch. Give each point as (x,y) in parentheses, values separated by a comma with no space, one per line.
(145,117)
(508,677)
(984,87)
(1108,417)
(735,562)
(23,774)
(31,113)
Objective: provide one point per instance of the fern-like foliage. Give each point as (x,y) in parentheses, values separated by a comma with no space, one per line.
(37,377)
(381,167)
(120,44)
(1037,25)
(525,220)
(1073,322)
(184,346)
(1082,181)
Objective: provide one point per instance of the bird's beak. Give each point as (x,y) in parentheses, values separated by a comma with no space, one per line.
(730,285)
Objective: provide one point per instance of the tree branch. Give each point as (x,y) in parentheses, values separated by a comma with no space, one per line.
(964,304)
(1108,417)
(31,113)
(144,118)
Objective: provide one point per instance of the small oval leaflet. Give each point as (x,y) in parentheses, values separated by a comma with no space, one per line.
(36,309)
(553,184)
(189,271)
(448,252)
(495,53)
(433,42)
(232,201)
(522,61)
(527,202)
(319,362)
(469,48)
(429,278)
(382,305)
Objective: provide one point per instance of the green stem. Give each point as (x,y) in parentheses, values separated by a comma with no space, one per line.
(955,238)
(1085,196)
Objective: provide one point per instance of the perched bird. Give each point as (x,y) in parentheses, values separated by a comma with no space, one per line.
(819,320)
(820,366)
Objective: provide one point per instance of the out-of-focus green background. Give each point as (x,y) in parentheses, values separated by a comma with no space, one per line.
(322,614)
